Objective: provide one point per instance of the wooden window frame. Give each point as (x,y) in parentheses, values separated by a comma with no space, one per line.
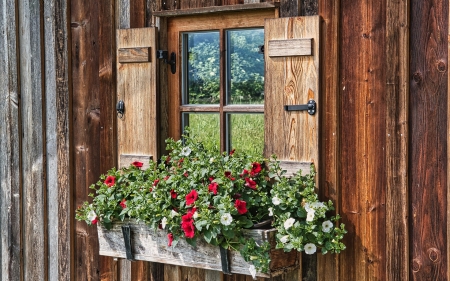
(205,22)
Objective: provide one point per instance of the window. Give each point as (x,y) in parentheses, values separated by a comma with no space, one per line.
(219,92)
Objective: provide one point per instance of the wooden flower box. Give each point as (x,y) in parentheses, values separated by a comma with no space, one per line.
(151,245)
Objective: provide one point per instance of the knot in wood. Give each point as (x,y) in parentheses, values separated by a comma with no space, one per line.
(441,66)
(416,265)
(434,254)
(417,77)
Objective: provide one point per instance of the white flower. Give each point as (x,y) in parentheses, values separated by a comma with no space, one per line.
(310,248)
(92,215)
(317,205)
(327,226)
(270,211)
(288,223)
(284,239)
(173,213)
(195,216)
(226,219)
(211,159)
(310,216)
(185,151)
(164,222)
(276,201)
(309,208)
(252,270)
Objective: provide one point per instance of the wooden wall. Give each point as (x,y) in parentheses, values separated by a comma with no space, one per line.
(384,135)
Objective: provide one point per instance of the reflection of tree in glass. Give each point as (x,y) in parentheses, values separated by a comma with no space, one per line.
(247,66)
(203,68)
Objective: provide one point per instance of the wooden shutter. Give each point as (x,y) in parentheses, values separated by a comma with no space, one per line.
(136,87)
(291,53)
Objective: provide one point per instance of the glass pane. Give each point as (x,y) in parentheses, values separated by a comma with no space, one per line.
(245,74)
(246,133)
(205,126)
(201,62)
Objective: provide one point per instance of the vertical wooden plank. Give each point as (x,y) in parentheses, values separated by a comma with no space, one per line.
(57,145)
(172,273)
(309,7)
(86,127)
(137,13)
(33,179)
(192,274)
(363,139)
(328,265)
(10,199)
(397,60)
(428,180)
(290,8)
(123,14)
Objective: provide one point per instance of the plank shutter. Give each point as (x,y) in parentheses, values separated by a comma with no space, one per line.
(136,87)
(291,78)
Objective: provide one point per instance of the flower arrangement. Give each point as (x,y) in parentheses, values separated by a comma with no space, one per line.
(195,194)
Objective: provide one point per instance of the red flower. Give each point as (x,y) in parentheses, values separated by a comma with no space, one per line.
(173,194)
(94,221)
(155,182)
(137,164)
(110,180)
(167,159)
(228,175)
(245,172)
(151,189)
(188,228)
(256,168)
(236,196)
(250,183)
(170,238)
(211,179)
(186,174)
(232,152)
(212,187)
(123,203)
(187,218)
(191,197)
(241,206)
(192,210)
(166,178)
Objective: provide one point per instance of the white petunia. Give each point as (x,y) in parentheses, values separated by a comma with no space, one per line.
(252,270)
(288,223)
(270,211)
(164,222)
(310,248)
(91,215)
(211,159)
(317,205)
(276,201)
(309,208)
(327,226)
(185,151)
(284,239)
(226,219)
(195,215)
(173,213)
(310,216)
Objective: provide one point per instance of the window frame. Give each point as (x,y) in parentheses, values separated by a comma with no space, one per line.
(219,22)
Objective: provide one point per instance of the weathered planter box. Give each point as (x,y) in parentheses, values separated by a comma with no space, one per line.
(151,245)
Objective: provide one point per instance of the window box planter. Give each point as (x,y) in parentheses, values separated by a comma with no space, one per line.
(151,245)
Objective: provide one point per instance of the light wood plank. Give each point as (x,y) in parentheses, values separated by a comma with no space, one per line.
(134,55)
(125,160)
(291,47)
(293,167)
(10,198)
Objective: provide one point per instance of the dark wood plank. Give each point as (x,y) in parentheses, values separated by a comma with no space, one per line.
(428,182)
(137,13)
(290,8)
(397,56)
(32,69)
(10,214)
(327,265)
(363,139)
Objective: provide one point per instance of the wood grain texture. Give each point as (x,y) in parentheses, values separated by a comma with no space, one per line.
(134,55)
(363,139)
(217,9)
(290,47)
(151,245)
(123,14)
(428,178)
(397,96)
(136,86)
(290,8)
(33,142)
(290,81)
(328,265)
(125,160)
(137,13)
(10,198)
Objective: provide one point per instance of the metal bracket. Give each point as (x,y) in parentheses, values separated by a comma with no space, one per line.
(120,108)
(164,55)
(225,261)
(310,107)
(126,230)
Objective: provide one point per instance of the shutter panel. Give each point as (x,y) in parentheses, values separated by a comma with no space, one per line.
(291,78)
(136,87)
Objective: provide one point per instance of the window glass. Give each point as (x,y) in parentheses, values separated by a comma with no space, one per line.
(205,126)
(245,66)
(201,76)
(246,132)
